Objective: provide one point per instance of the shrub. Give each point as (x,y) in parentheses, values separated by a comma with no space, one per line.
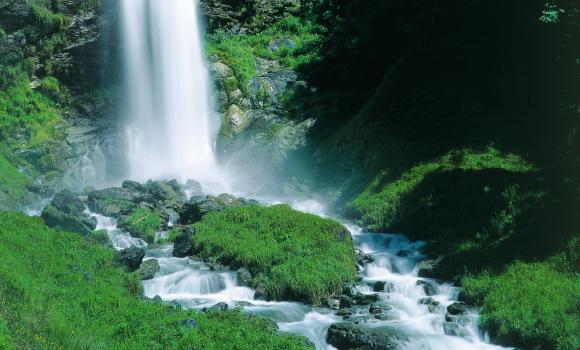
(530,305)
(293,255)
(59,291)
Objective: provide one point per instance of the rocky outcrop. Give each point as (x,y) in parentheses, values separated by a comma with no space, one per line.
(351,336)
(66,212)
(194,209)
(129,258)
(148,269)
(183,244)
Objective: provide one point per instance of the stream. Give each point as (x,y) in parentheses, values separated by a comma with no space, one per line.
(191,284)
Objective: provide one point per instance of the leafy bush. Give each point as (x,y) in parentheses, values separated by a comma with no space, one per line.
(293,255)
(530,305)
(59,291)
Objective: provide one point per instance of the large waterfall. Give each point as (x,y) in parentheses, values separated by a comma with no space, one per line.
(169,114)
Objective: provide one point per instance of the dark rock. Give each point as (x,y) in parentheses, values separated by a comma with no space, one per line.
(282,43)
(148,269)
(429,287)
(133,186)
(348,336)
(193,210)
(244,277)
(15,14)
(459,319)
(346,301)
(130,258)
(261,293)
(217,267)
(219,307)
(183,245)
(349,290)
(344,312)
(429,268)
(114,201)
(456,308)
(164,191)
(453,329)
(382,312)
(363,299)
(379,286)
(66,211)
(432,305)
(362,258)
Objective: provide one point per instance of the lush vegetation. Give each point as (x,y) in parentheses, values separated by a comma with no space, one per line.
(239,52)
(143,223)
(292,255)
(59,291)
(530,305)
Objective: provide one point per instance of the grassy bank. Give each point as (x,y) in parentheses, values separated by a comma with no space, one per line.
(292,255)
(59,291)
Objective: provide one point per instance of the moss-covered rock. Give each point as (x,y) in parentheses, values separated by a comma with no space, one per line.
(143,222)
(292,255)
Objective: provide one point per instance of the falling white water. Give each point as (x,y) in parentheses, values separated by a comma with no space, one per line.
(169,131)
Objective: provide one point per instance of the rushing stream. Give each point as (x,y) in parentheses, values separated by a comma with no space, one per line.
(192,284)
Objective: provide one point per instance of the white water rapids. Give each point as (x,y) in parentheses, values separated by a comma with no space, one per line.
(191,284)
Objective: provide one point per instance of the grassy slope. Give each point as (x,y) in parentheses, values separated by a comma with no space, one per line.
(58,291)
(301,255)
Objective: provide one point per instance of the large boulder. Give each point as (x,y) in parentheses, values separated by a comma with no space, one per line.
(183,244)
(129,258)
(348,335)
(194,209)
(164,191)
(148,269)
(115,201)
(66,212)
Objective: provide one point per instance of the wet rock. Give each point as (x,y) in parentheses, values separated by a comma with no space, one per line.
(332,303)
(218,267)
(183,244)
(432,305)
(164,191)
(379,286)
(219,307)
(148,269)
(133,186)
(459,319)
(363,299)
(260,292)
(454,329)
(345,301)
(66,212)
(244,277)
(349,289)
(114,201)
(429,268)
(15,14)
(193,210)
(362,258)
(130,258)
(344,312)
(456,308)
(382,312)
(348,335)
(429,287)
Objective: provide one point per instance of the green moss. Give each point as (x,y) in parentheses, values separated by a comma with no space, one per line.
(12,183)
(144,223)
(239,52)
(530,305)
(59,291)
(378,204)
(299,256)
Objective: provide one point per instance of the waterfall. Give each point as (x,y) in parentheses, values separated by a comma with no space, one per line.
(169,128)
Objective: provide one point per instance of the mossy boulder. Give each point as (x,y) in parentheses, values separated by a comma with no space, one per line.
(143,222)
(194,209)
(114,201)
(66,211)
(292,255)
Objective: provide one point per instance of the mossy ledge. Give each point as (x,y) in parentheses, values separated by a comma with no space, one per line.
(60,291)
(291,255)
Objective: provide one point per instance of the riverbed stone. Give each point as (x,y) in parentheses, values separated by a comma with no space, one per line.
(148,269)
(349,335)
(183,244)
(130,258)
(456,330)
(429,287)
(457,308)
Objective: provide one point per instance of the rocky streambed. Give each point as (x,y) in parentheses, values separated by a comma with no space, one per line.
(394,305)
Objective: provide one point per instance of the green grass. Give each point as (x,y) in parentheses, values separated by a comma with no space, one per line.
(377,205)
(239,52)
(144,223)
(59,291)
(12,182)
(529,305)
(294,255)
(24,108)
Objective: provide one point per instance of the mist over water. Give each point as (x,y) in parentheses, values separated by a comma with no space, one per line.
(170,127)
